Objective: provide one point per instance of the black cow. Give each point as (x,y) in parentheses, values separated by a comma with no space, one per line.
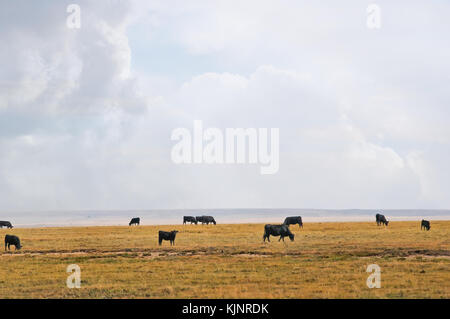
(207,219)
(12,240)
(166,235)
(425,224)
(135,221)
(277,230)
(191,219)
(294,220)
(381,220)
(5,224)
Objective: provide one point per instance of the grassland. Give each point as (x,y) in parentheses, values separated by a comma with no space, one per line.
(326,260)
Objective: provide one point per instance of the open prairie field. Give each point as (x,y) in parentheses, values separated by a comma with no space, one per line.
(326,260)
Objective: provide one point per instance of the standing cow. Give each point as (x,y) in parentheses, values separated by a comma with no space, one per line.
(381,220)
(425,225)
(135,221)
(6,224)
(294,220)
(208,219)
(190,219)
(12,240)
(277,230)
(199,219)
(166,235)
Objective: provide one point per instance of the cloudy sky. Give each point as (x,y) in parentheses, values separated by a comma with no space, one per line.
(86,114)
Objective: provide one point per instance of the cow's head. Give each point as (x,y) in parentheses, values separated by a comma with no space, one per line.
(387,223)
(174,231)
(291,237)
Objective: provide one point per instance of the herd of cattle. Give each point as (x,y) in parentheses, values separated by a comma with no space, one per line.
(269,229)
(199,219)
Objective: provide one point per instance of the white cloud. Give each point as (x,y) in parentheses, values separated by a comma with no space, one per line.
(56,69)
(362,116)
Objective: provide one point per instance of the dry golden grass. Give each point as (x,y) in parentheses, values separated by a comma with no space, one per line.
(326,260)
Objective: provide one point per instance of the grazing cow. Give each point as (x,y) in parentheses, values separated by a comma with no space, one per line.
(277,230)
(207,219)
(294,220)
(199,219)
(191,219)
(135,221)
(167,235)
(5,224)
(381,220)
(425,224)
(12,240)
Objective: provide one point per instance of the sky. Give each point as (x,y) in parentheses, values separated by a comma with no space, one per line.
(86,114)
